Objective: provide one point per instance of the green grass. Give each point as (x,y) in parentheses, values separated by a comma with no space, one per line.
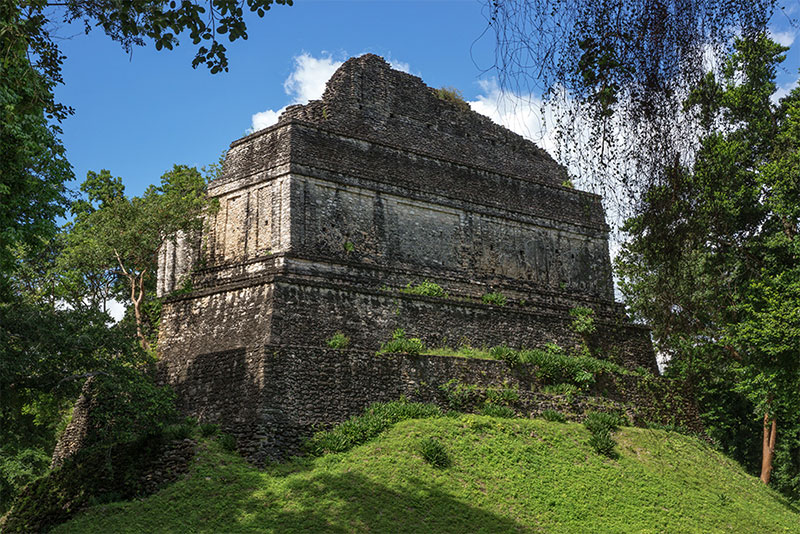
(502,475)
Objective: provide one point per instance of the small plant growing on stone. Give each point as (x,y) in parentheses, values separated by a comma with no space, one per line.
(553,416)
(502,396)
(209,429)
(494,298)
(507,354)
(459,395)
(349,246)
(452,95)
(401,344)
(338,341)
(434,453)
(426,288)
(568,183)
(583,320)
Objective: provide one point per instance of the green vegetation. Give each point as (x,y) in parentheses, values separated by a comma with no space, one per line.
(434,453)
(401,344)
(338,341)
(505,475)
(601,426)
(583,320)
(426,288)
(713,262)
(349,246)
(495,298)
(553,416)
(362,428)
(452,95)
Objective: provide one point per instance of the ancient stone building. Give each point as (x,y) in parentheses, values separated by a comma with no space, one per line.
(326,215)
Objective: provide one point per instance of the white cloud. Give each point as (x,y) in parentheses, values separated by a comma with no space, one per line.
(116,310)
(402,66)
(784,90)
(306,82)
(522,114)
(782,38)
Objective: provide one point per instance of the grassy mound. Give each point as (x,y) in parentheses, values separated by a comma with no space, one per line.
(500,475)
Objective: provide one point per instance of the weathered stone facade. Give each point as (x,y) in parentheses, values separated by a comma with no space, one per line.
(326,215)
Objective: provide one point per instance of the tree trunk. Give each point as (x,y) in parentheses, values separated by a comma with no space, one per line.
(768,447)
(137,308)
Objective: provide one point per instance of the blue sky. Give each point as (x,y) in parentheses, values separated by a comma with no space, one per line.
(139,114)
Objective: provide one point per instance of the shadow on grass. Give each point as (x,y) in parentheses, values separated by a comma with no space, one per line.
(349,502)
(325,503)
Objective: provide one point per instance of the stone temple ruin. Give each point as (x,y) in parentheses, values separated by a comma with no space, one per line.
(326,215)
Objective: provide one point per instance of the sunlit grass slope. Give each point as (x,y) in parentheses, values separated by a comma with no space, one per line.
(505,475)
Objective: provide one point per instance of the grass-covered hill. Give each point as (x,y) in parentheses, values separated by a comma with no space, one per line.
(496,475)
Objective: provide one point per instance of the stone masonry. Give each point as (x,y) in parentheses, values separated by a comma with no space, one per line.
(326,215)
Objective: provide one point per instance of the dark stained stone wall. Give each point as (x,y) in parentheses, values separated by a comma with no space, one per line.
(274,397)
(327,215)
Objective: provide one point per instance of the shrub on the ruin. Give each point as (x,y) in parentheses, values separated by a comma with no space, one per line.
(504,395)
(434,453)
(507,354)
(497,410)
(401,344)
(338,341)
(495,298)
(452,95)
(460,395)
(181,430)
(425,288)
(554,416)
(208,429)
(583,320)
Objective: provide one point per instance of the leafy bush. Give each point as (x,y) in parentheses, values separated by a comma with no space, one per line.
(452,95)
(498,410)
(208,429)
(434,453)
(556,366)
(362,428)
(338,341)
(183,430)
(426,288)
(497,299)
(401,344)
(601,425)
(507,354)
(129,406)
(503,396)
(227,442)
(604,444)
(459,395)
(554,416)
(583,320)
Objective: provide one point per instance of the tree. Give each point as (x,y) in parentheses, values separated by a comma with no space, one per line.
(713,260)
(119,237)
(616,73)
(34,169)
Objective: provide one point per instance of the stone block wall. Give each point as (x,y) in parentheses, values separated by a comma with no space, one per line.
(274,397)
